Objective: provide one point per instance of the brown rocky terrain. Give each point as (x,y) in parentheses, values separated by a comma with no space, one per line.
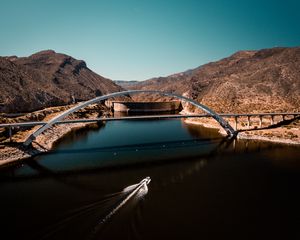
(248,81)
(47,79)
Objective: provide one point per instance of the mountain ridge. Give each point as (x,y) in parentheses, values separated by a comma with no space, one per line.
(47,78)
(247,81)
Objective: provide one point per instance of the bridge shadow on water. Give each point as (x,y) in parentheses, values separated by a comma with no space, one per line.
(212,146)
(141,146)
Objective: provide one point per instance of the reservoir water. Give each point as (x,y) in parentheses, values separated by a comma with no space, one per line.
(202,186)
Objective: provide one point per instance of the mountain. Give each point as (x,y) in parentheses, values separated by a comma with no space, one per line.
(267,80)
(47,79)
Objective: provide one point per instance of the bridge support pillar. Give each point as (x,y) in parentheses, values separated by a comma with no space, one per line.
(272,120)
(260,121)
(10,133)
(236,123)
(248,122)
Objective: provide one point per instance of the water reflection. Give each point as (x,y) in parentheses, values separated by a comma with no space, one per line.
(80,134)
(196,130)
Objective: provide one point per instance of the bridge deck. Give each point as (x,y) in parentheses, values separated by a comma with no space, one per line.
(226,115)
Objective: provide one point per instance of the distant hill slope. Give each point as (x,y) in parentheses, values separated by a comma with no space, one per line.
(47,79)
(248,81)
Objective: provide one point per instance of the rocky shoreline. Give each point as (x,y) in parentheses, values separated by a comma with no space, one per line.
(44,143)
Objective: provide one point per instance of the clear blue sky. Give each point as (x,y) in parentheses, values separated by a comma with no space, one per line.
(140,39)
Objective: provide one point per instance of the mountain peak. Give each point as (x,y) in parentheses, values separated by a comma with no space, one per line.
(44,52)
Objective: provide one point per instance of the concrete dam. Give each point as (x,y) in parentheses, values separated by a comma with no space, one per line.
(130,107)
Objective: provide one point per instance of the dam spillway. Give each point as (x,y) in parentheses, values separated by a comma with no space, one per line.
(124,106)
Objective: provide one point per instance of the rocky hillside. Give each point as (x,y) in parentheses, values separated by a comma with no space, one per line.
(248,81)
(47,79)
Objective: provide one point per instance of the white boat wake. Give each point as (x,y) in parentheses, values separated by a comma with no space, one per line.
(135,191)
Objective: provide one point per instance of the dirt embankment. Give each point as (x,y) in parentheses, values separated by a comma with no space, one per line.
(12,150)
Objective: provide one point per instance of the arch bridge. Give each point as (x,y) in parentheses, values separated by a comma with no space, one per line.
(224,124)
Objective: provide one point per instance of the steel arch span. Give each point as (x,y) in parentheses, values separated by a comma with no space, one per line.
(229,130)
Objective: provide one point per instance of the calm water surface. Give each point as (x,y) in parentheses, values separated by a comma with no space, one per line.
(202,186)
